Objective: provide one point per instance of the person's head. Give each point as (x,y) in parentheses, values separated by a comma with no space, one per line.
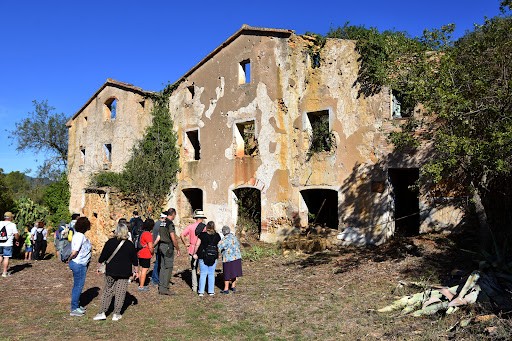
(135,213)
(121,231)
(75,216)
(40,224)
(226,230)
(163,215)
(199,215)
(148,224)
(210,227)
(171,213)
(123,221)
(82,225)
(8,216)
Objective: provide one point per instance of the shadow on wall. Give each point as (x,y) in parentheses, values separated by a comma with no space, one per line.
(387,199)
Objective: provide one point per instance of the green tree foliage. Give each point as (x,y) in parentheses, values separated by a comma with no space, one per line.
(56,199)
(28,212)
(18,184)
(154,163)
(467,87)
(44,131)
(6,200)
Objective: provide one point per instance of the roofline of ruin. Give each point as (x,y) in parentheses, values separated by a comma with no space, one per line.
(245,29)
(113,83)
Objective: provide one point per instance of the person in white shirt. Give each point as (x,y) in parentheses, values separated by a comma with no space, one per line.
(79,262)
(8,232)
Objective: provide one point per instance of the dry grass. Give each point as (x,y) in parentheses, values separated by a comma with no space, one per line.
(327,295)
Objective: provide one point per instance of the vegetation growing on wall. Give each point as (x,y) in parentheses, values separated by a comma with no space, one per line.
(466,86)
(151,171)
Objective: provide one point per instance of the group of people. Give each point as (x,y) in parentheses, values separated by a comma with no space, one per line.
(35,241)
(127,255)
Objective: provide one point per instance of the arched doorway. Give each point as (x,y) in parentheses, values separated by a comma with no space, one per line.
(248,201)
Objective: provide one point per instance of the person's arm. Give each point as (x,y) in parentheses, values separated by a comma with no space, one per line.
(17,237)
(175,243)
(196,247)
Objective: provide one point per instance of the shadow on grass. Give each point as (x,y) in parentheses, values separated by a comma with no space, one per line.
(19,267)
(88,295)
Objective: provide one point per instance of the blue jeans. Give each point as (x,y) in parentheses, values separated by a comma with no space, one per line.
(207,271)
(79,272)
(156,269)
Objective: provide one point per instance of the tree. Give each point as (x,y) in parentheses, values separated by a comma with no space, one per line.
(44,131)
(56,199)
(466,88)
(6,200)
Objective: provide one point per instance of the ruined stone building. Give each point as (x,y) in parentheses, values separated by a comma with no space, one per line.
(271,114)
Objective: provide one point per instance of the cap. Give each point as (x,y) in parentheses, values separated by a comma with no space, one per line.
(8,215)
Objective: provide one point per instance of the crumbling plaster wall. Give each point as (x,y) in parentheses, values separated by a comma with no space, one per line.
(99,129)
(283,89)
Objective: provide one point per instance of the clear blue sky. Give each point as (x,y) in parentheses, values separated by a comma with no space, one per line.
(63,51)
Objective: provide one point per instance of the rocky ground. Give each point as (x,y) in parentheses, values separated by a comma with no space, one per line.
(288,295)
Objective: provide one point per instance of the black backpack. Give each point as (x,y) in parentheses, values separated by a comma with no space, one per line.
(199,228)
(39,235)
(137,224)
(210,252)
(3,234)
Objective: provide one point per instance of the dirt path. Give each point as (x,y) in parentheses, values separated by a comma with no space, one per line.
(328,296)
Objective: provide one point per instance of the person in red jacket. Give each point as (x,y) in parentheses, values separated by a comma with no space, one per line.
(145,254)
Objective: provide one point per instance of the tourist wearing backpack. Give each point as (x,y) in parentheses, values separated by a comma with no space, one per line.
(8,232)
(167,243)
(79,259)
(193,231)
(61,238)
(136,224)
(231,259)
(39,237)
(156,239)
(207,252)
(145,253)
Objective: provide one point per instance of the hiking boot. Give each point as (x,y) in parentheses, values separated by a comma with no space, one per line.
(116,317)
(167,292)
(99,317)
(76,312)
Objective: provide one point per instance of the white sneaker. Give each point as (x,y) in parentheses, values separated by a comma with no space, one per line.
(5,274)
(99,317)
(201,295)
(116,317)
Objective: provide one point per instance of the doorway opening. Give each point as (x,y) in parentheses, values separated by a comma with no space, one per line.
(406,200)
(248,201)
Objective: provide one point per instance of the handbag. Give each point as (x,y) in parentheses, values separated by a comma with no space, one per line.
(103,266)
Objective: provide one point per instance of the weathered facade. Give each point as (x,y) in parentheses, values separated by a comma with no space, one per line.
(101,136)
(270,111)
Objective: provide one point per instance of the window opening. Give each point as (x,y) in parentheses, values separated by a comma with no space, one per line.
(82,156)
(401,106)
(322,140)
(322,207)
(191,91)
(111,105)
(244,72)
(248,201)
(246,142)
(193,200)
(193,140)
(107,148)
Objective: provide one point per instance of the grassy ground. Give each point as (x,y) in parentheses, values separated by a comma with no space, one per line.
(290,296)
